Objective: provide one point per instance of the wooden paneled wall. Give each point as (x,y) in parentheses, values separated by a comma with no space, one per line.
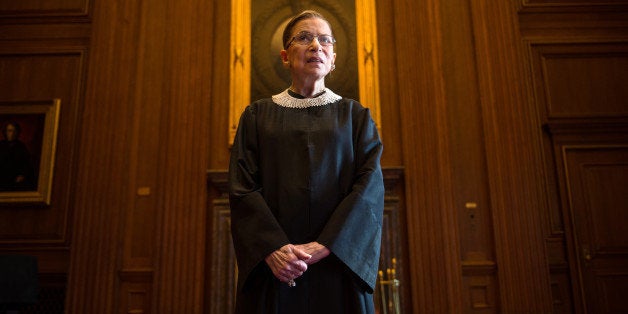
(139,222)
(578,56)
(44,53)
(489,107)
(125,230)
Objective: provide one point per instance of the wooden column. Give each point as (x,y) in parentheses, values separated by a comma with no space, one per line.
(513,151)
(433,238)
(139,236)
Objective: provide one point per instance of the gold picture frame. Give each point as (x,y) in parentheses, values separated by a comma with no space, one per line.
(27,150)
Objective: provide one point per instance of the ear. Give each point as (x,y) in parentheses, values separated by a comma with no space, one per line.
(284,58)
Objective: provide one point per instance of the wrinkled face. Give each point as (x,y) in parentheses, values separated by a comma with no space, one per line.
(311,60)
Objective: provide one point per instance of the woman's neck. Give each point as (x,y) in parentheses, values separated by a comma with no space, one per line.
(308,90)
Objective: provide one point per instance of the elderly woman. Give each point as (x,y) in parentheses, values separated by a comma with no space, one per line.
(306,189)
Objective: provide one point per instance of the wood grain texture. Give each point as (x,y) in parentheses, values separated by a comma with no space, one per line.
(467,90)
(147,112)
(513,155)
(433,239)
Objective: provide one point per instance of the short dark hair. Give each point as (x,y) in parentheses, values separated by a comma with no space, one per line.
(307,14)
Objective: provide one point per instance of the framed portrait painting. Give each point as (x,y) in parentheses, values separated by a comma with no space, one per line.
(27,150)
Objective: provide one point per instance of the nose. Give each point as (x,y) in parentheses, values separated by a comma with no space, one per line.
(316,45)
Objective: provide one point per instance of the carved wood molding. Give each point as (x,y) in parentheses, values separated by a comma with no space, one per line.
(35,10)
(588,127)
(576,19)
(580,81)
(29,68)
(239,63)
(565,5)
(368,57)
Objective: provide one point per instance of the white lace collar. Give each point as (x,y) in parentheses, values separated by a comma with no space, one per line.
(284,99)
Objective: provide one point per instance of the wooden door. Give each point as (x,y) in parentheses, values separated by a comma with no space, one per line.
(596,183)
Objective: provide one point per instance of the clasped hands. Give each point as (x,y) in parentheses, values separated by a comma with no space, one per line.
(291,261)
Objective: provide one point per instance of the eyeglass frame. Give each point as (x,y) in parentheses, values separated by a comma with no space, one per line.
(313,36)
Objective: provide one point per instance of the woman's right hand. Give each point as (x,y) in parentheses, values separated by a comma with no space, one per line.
(288,262)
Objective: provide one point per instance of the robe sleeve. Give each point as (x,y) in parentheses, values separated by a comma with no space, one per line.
(254,229)
(353,233)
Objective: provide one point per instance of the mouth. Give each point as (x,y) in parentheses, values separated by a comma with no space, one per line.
(315,60)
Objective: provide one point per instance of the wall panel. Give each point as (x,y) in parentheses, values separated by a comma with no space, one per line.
(433,231)
(578,64)
(388,80)
(513,151)
(44,76)
(581,80)
(40,62)
(59,9)
(140,218)
(468,160)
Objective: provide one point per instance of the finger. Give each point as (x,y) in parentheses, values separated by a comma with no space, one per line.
(299,266)
(293,271)
(286,273)
(300,253)
(283,275)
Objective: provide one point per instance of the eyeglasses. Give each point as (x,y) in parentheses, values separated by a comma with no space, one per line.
(306,38)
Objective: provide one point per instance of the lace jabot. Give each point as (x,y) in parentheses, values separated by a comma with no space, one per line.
(284,99)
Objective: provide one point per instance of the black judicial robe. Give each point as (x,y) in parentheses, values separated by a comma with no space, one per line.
(299,175)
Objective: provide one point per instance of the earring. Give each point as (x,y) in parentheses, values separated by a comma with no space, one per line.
(333,67)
